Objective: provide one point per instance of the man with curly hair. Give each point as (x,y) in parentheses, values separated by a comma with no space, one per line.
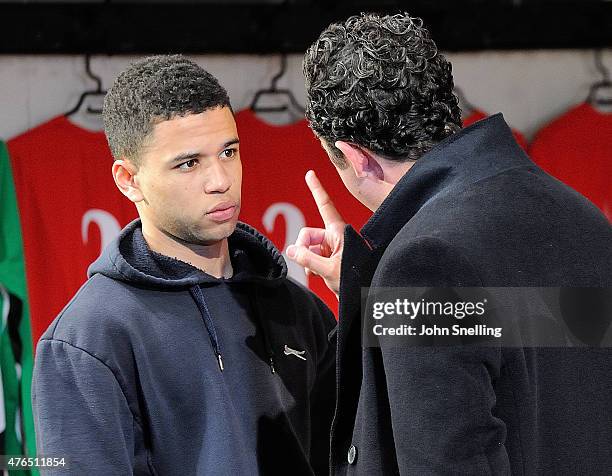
(451,208)
(188,351)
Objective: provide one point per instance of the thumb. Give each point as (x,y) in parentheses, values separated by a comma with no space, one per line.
(306,258)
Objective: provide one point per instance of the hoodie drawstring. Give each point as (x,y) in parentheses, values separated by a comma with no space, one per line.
(198,297)
(264,327)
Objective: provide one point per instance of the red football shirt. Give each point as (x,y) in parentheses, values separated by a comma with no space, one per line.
(576,148)
(477,115)
(69,208)
(275,197)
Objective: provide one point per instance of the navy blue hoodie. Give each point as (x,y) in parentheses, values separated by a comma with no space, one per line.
(156,367)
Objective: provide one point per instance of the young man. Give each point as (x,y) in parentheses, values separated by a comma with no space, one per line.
(188,351)
(451,208)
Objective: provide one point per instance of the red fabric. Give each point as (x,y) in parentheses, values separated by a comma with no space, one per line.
(275,160)
(61,172)
(477,115)
(576,148)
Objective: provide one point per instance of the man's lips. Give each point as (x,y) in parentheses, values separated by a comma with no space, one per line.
(222,212)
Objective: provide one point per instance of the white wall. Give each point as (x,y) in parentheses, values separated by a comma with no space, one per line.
(530,87)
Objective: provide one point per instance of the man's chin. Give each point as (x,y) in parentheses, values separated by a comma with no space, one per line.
(220,232)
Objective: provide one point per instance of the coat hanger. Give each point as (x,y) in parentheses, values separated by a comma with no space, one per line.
(273,90)
(604,83)
(467,107)
(92,92)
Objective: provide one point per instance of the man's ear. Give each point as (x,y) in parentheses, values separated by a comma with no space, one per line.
(362,161)
(124,173)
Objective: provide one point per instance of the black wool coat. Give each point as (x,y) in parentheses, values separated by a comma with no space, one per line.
(474,211)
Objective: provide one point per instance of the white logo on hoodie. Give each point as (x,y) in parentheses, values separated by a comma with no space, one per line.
(297,353)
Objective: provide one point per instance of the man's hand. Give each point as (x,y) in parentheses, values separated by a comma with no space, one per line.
(319,250)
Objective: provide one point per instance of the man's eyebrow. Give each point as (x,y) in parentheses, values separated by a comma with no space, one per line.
(185,156)
(230,142)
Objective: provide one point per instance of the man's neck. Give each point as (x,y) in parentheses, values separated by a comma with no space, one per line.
(213,259)
(393,173)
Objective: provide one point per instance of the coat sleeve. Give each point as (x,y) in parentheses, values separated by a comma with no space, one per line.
(80,412)
(441,398)
(323,396)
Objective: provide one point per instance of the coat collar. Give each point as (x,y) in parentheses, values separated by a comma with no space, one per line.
(483,149)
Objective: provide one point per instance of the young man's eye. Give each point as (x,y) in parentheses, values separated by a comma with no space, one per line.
(228,153)
(188,165)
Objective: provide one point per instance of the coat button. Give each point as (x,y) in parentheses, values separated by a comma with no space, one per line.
(352,454)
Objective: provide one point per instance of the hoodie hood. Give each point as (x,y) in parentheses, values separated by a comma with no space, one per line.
(254,260)
(128,258)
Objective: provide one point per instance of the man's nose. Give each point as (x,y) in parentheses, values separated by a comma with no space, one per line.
(217,180)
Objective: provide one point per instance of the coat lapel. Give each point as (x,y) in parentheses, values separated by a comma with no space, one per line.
(355,274)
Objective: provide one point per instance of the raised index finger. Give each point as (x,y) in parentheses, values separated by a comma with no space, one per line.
(326,207)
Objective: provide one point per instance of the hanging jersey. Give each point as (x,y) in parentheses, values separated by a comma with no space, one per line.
(10,368)
(275,197)
(477,115)
(12,277)
(69,208)
(576,148)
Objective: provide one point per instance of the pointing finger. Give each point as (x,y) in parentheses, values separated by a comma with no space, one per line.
(326,207)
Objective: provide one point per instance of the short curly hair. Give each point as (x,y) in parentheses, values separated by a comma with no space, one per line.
(379,82)
(152,90)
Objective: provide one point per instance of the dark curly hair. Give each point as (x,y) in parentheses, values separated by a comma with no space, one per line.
(152,90)
(379,82)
